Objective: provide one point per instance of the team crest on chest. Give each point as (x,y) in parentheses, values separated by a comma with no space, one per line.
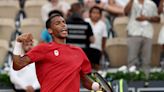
(56,52)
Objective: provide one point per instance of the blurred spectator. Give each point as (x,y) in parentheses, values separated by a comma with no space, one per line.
(161,7)
(80,32)
(161,34)
(90,3)
(54,5)
(25,80)
(100,34)
(157,2)
(106,17)
(45,36)
(115,7)
(140,32)
(100,3)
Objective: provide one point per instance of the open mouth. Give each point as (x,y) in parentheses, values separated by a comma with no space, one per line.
(64,30)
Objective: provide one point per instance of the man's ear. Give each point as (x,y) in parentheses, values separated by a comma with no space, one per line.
(50,31)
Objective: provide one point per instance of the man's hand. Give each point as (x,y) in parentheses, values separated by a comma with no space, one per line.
(18,61)
(30,89)
(142,18)
(96,86)
(26,37)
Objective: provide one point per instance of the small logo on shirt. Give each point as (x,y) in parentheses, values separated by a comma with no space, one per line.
(56,52)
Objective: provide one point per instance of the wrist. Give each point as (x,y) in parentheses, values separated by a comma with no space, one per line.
(149,18)
(17,48)
(95,86)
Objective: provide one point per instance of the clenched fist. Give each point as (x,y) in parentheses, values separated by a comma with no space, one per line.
(26,37)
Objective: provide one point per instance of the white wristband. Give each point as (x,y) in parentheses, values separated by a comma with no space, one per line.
(95,86)
(17,48)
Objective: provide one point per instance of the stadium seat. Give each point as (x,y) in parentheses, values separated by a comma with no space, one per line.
(33,26)
(117,51)
(7,27)
(4,47)
(9,8)
(120,26)
(33,8)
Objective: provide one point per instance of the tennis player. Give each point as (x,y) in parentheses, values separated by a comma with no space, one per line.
(59,66)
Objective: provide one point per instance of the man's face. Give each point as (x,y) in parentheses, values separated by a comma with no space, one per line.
(59,27)
(95,15)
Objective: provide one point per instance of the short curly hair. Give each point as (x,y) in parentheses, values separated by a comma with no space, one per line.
(48,22)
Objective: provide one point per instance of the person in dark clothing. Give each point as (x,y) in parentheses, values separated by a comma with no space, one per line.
(156,2)
(80,32)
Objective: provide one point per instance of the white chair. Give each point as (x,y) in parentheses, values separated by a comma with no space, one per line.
(7,27)
(33,8)
(120,25)
(117,51)
(4,48)
(9,8)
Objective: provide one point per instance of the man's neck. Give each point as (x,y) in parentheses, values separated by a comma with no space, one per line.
(60,41)
(94,22)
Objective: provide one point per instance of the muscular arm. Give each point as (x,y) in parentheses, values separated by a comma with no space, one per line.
(113,8)
(87,83)
(128,7)
(103,43)
(150,19)
(160,9)
(20,62)
(154,19)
